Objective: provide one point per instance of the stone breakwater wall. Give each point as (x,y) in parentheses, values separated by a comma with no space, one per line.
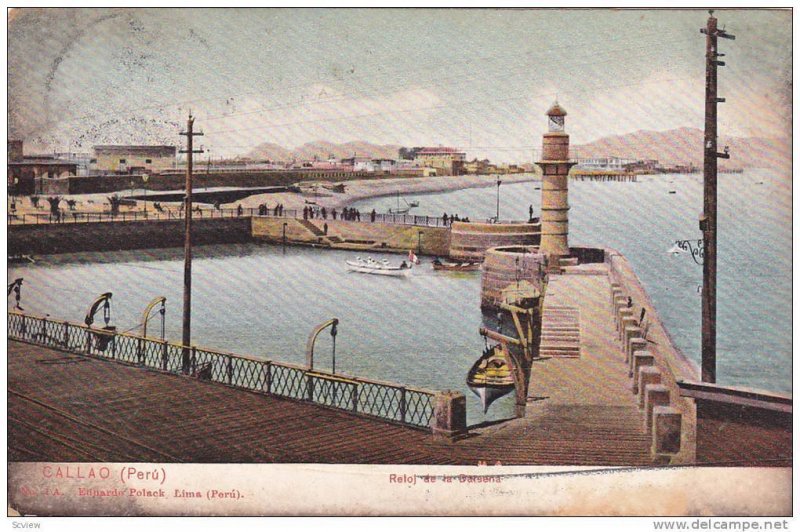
(43,239)
(462,241)
(469,241)
(177,181)
(506,265)
(362,235)
(655,363)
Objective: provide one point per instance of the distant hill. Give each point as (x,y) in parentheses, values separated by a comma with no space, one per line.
(322,149)
(685,145)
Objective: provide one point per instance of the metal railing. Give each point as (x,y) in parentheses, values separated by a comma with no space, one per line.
(401,404)
(70,217)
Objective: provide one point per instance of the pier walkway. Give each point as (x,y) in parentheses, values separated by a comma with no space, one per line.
(580,409)
(67,407)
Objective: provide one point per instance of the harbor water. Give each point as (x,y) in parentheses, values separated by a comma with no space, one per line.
(264,300)
(643,219)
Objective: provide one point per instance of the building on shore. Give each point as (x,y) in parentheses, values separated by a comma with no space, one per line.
(446,161)
(477,167)
(25,171)
(126,159)
(612,163)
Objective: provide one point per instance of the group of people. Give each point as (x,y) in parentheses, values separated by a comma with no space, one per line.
(348,213)
(263,210)
(448,220)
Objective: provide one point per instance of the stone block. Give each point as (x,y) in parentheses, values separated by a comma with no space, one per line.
(635,344)
(619,304)
(647,375)
(666,430)
(654,395)
(449,415)
(641,359)
(628,334)
(627,321)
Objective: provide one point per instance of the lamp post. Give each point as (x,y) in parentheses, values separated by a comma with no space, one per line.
(145,177)
(419,243)
(497,216)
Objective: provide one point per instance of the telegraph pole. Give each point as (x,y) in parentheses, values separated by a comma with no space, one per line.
(187,261)
(708,220)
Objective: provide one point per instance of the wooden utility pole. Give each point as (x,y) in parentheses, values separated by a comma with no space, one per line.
(187,261)
(708,220)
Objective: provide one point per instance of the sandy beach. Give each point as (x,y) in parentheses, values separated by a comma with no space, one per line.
(318,192)
(372,188)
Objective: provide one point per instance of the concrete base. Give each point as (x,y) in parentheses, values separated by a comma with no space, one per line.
(666,431)
(449,415)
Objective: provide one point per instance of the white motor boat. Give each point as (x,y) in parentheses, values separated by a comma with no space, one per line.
(382,267)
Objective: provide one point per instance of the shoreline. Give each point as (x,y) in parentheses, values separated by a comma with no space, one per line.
(355,190)
(362,189)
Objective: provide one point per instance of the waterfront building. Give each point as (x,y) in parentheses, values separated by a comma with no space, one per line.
(359,163)
(25,171)
(613,163)
(132,159)
(477,167)
(384,166)
(446,161)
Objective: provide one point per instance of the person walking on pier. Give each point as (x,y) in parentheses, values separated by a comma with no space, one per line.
(325,228)
(372,215)
(333,213)
(239,210)
(358,215)
(530,213)
(305,213)
(324,215)
(444,219)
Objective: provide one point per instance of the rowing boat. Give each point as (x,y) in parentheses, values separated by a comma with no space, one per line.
(490,377)
(456,266)
(383,267)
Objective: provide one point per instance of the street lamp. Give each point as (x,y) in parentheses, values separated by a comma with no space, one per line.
(145,177)
(497,217)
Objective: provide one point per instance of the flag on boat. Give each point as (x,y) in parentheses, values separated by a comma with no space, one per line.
(412,258)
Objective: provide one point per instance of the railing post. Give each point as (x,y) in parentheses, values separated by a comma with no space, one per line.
(114,346)
(66,334)
(194,360)
(309,387)
(268,383)
(140,350)
(230,370)
(403,405)
(355,393)
(164,355)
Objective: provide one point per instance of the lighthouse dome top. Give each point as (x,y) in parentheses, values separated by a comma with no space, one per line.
(556,110)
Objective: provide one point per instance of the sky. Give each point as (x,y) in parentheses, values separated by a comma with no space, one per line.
(478,79)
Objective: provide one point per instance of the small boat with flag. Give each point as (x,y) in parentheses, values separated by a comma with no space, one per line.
(383,267)
(490,377)
(445,265)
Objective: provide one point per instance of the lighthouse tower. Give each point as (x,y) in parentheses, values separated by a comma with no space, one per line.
(555,167)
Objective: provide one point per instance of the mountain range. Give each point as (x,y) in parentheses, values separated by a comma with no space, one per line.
(672,147)
(685,145)
(322,150)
